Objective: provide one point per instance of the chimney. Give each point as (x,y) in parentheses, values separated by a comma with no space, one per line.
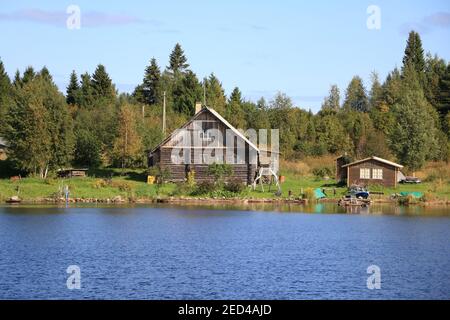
(198,107)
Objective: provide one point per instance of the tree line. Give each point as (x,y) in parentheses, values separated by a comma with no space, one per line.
(404,118)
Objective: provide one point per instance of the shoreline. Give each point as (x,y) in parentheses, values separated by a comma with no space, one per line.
(118,200)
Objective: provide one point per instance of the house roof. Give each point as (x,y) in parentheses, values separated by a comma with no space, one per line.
(218,116)
(376,159)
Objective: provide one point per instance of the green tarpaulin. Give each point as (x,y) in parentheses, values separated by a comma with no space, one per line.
(414,194)
(319,194)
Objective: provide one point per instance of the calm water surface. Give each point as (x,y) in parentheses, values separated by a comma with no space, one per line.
(224,253)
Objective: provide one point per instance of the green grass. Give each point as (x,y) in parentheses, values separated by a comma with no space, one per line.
(133,185)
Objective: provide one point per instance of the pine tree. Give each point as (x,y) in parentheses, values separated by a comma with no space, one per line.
(376,92)
(45,74)
(414,135)
(151,83)
(73,90)
(215,94)
(177,61)
(102,86)
(186,93)
(5,92)
(444,93)
(28,75)
(355,96)
(234,112)
(414,53)
(87,91)
(435,69)
(332,102)
(17,83)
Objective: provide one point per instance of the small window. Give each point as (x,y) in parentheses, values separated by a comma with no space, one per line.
(377,174)
(364,173)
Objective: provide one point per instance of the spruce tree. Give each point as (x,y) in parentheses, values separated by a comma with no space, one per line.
(234,110)
(102,86)
(45,74)
(5,93)
(414,53)
(215,94)
(444,93)
(87,91)
(28,75)
(151,84)
(73,90)
(177,61)
(355,96)
(186,93)
(332,102)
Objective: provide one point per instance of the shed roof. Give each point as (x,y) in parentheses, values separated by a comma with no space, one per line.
(376,159)
(220,118)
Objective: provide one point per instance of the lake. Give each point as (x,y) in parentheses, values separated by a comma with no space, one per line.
(164,252)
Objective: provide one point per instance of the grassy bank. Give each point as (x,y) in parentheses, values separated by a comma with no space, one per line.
(131,184)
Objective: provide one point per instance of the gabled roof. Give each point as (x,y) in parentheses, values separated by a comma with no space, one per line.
(220,118)
(376,159)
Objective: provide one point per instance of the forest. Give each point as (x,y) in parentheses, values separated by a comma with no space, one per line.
(404,117)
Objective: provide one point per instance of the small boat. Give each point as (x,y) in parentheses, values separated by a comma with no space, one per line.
(14,199)
(359,192)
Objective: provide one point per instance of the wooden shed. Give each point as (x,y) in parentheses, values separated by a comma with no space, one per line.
(371,171)
(245,154)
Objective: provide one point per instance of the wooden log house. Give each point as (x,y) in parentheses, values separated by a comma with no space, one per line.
(244,168)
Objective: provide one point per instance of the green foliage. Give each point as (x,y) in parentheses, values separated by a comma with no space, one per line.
(356,97)
(177,61)
(39,127)
(323,172)
(219,172)
(87,150)
(235,186)
(309,194)
(73,93)
(151,85)
(414,53)
(102,86)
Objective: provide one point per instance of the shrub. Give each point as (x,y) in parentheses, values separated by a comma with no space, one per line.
(190,180)
(219,171)
(309,194)
(122,185)
(235,186)
(406,201)
(204,187)
(428,196)
(322,172)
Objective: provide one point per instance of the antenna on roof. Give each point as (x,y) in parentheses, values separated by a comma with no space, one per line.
(204,91)
(164,114)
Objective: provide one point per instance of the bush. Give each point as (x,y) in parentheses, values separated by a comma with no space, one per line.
(235,186)
(204,187)
(428,196)
(219,171)
(309,194)
(322,172)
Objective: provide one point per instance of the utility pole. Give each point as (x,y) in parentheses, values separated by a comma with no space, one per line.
(204,91)
(164,115)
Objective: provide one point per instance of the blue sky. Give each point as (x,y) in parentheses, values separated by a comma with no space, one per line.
(296,47)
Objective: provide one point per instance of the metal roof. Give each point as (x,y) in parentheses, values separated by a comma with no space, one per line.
(374,158)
